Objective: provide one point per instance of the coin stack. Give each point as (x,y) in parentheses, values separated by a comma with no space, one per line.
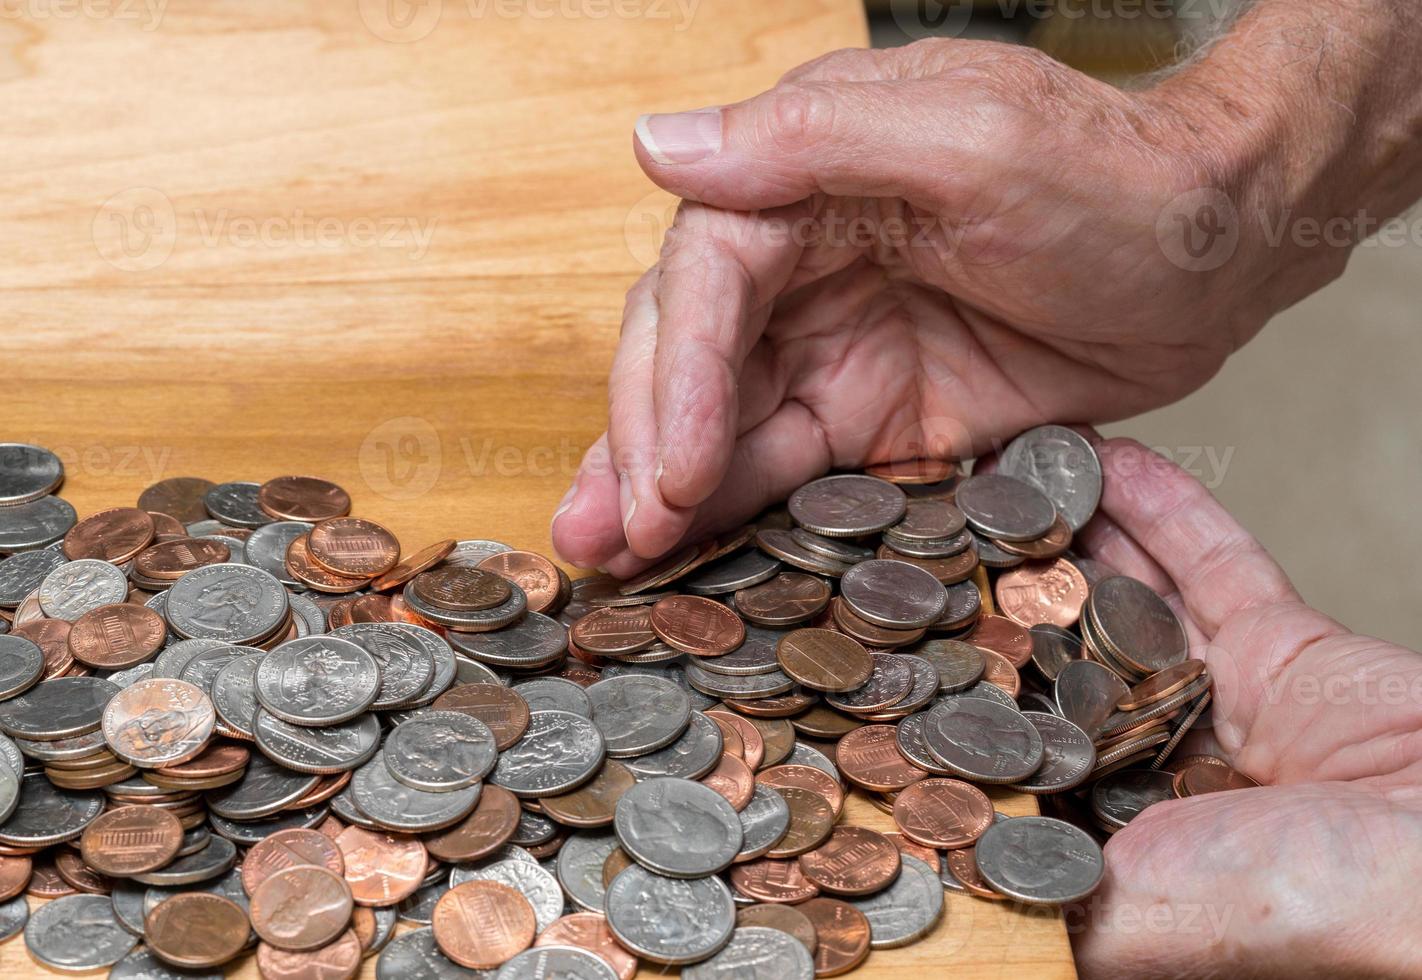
(235,717)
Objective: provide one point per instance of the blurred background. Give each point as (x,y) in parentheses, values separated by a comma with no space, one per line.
(1311,434)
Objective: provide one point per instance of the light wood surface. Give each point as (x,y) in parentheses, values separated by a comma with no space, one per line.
(213,262)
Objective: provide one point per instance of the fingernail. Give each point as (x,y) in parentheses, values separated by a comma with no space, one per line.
(681,137)
(628,500)
(565,503)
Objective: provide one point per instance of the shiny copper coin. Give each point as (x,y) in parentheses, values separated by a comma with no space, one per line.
(950,571)
(131,840)
(462,589)
(732,778)
(424,559)
(166,527)
(337,960)
(787,599)
(811,820)
(914,472)
(612,631)
(824,660)
(488,828)
(697,625)
(805,777)
(305,570)
(536,575)
(45,882)
(770,880)
(196,930)
(215,760)
(593,804)
(590,931)
(481,924)
(170,560)
(503,710)
(381,868)
(912,848)
(778,737)
(945,813)
(301,907)
(371,609)
(1211,778)
(616,863)
(303,498)
(117,636)
(852,861)
(328,787)
(180,497)
(842,932)
(752,742)
(869,757)
(1041,592)
(79,875)
(353,546)
(1161,685)
(288,849)
(1012,640)
(731,743)
(962,864)
(999,672)
(780,706)
(14,876)
(1050,545)
(785,918)
(111,535)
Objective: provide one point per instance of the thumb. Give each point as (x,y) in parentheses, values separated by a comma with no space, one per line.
(842,138)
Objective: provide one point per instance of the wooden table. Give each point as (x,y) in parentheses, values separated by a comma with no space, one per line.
(381,242)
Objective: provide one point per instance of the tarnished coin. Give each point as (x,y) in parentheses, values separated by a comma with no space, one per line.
(907,910)
(824,659)
(158,722)
(557,753)
(1052,649)
(942,813)
(637,904)
(21,665)
(756,953)
(317,680)
(196,930)
(180,497)
(235,504)
(843,933)
(637,714)
(1137,625)
(678,827)
(481,924)
(27,472)
(959,664)
(75,587)
(1060,463)
(439,751)
(893,594)
(232,603)
(1002,507)
(847,506)
(77,933)
(60,708)
(1040,860)
(1086,693)
(1068,755)
(131,840)
(594,803)
(982,741)
(301,907)
(462,589)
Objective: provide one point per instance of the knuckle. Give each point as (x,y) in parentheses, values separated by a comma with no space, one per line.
(798,117)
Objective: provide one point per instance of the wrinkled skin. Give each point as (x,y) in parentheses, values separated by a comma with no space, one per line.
(957,293)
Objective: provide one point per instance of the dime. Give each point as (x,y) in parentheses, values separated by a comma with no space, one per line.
(301,908)
(669,920)
(131,840)
(302,498)
(847,506)
(843,934)
(1040,860)
(440,751)
(893,594)
(158,722)
(943,813)
(558,753)
(354,547)
(678,827)
(75,587)
(77,933)
(638,714)
(382,868)
(480,924)
(504,712)
(236,505)
(1060,463)
(1042,592)
(317,680)
(890,682)
(1005,508)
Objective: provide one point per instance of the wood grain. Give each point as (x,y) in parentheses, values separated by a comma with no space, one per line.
(247,239)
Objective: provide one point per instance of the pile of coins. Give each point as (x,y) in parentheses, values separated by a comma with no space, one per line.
(235,717)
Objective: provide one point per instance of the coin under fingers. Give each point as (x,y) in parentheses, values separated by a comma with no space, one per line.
(1062,464)
(847,506)
(1002,507)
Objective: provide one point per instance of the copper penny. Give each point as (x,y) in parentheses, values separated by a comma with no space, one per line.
(697,625)
(288,849)
(945,813)
(805,777)
(1050,545)
(131,840)
(752,743)
(302,907)
(732,778)
(590,931)
(381,868)
(45,882)
(963,865)
(166,528)
(594,803)
(914,471)
(79,875)
(481,924)
(1012,640)
(999,672)
(1161,685)
(196,930)
(616,863)
(822,721)
(536,575)
(786,918)
(353,546)
(927,855)
(488,828)
(503,710)
(852,861)
(1040,592)
(303,498)
(779,706)
(52,637)
(111,535)
(371,609)
(842,932)
(789,598)
(811,820)
(668,569)
(117,636)
(305,570)
(338,960)
(180,497)
(462,589)
(14,876)
(950,571)
(824,660)
(869,633)
(869,757)
(770,880)
(215,760)
(614,630)
(1211,778)
(170,560)
(424,559)
(328,787)
(158,722)
(777,738)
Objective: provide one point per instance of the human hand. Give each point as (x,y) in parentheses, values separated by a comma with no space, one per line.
(915,251)
(1314,873)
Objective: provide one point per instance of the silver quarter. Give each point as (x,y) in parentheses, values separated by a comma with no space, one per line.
(535,640)
(469,553)
(673,672)
(438,751)
(234,692)
(746,686)
(265,548)
(638,714)
(325,750)
(1068,755)
(317,680)
(177,653)
(758,953)
(847,506)
(1119,797)
(75,587)
(670,920)
(907,910)
(264,789)
(1002,507)
(740,571)
(307,613)
(13,916)
(563,962)
(407,655)
(691,756)
(141,964)
(579,867)
(27,472)
(35,524)
(21,665)
(48,815)
(559,751)
(678,827)
(982,741)
(414,956)
(235,504)
(1086,693)
(21,574)
(228,602)
(206,665)
(909,737)
(554,694)
(1062,464)
(77,933)
(58,708)
(764,822)
(395,806)
(1040,860)
(984,691)
(894,594)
